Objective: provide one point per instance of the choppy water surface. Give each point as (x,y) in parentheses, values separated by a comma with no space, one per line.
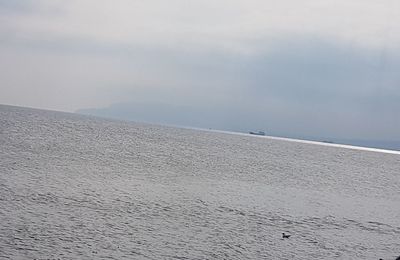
(75,187)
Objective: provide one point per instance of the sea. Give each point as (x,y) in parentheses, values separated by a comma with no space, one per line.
(82,187)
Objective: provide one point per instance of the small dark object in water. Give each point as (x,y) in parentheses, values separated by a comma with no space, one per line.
(257,133)
(398,258)
(285,236)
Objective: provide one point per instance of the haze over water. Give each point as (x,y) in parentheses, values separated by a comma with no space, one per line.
(76,187)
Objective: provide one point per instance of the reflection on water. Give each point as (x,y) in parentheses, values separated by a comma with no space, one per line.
(80,187)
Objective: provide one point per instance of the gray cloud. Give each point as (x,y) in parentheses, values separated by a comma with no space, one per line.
(306,87)
(16,6)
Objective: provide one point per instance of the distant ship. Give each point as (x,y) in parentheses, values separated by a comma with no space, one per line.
(257,133)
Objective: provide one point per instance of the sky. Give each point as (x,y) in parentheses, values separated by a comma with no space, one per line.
(291,67)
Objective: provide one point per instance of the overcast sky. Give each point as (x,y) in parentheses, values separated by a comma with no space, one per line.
(312,67)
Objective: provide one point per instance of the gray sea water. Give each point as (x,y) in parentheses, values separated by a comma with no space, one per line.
(77,187)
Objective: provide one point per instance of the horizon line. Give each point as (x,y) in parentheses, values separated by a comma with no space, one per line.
(289,139)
